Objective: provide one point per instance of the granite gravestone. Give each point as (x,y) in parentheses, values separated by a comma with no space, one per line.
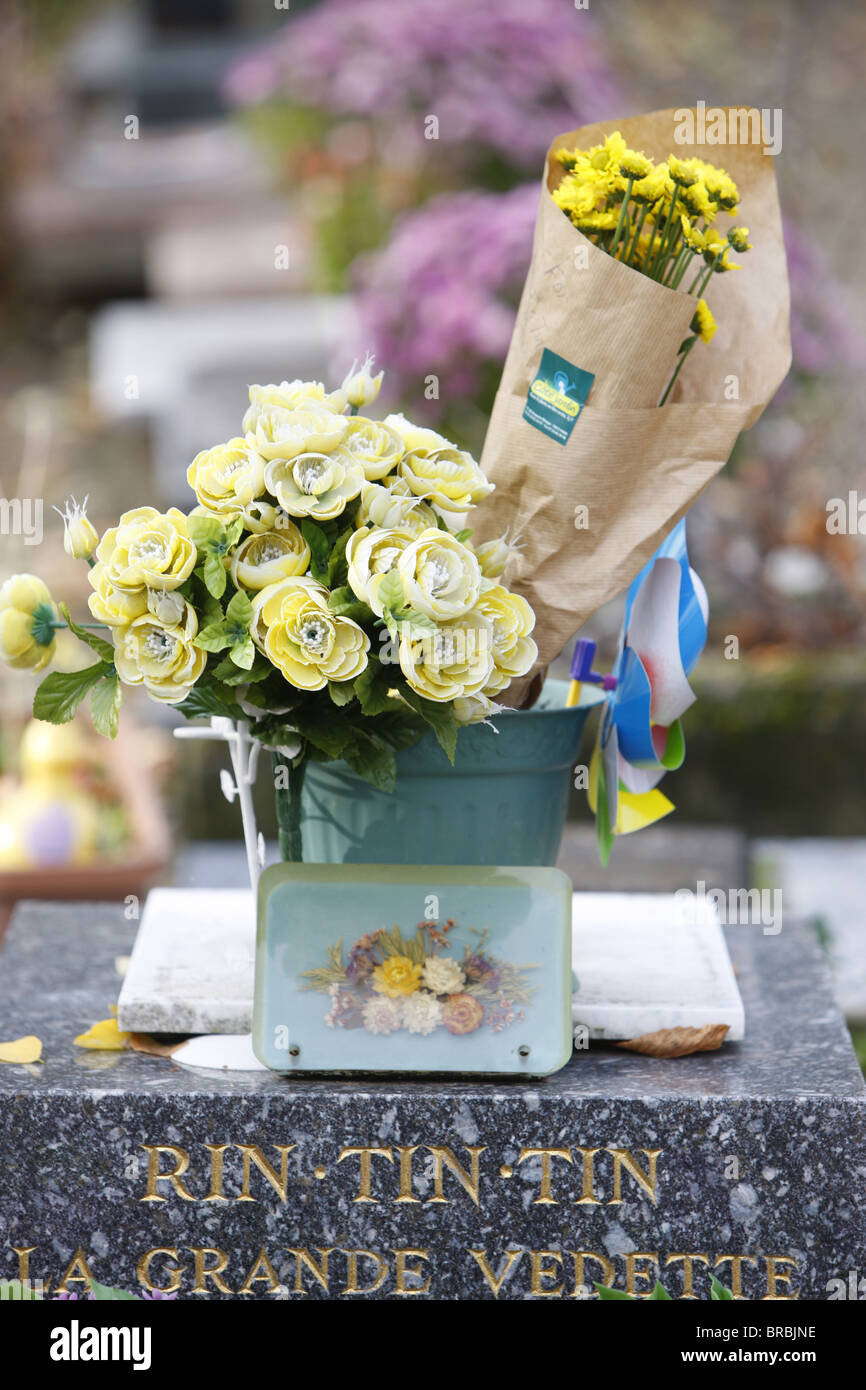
(750,1162)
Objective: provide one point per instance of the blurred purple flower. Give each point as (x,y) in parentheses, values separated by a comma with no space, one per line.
(506,77)
(442,296)
(824,338)
(156,1294)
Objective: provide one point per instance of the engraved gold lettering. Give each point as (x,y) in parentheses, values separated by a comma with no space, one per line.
(203,1272)
(580,1258)
(545,1196)
(406,1195)
(154,1176)
(588,1197)
(443,1157)
(495,1281)
(633,1271)
(352,1258)
(688,1271)
(365,1156)
(143,1270)
(541,1271)
(268,1275)
(23,1252)
(83,1277)
(304,1260)
(216,1173)
(737,1262)
(623,1159)
(278,1181)
(402,1271)
(775,1277)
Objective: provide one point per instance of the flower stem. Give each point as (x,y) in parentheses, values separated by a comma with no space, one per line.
(623,215)
(289,808)
(683,355)
(636,237)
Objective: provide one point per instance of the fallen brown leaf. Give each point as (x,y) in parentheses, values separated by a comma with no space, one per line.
(143,1042)
(678,1042)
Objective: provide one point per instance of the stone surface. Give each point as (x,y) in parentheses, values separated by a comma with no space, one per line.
(762,1150)
(192,965)
(824,879)
(641,964)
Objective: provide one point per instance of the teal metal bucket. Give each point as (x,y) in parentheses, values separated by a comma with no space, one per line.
(504,801)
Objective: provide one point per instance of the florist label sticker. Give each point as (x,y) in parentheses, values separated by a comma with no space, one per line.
(557,396)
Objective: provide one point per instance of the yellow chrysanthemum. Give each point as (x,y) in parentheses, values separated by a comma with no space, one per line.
(397,977)
(703,321)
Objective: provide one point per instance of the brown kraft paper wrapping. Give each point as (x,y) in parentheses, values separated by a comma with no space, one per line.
(636,467)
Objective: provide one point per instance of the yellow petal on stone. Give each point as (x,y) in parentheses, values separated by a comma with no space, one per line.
(22,1050)
(104,1036)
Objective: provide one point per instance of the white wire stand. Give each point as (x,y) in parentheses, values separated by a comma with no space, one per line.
(244,754)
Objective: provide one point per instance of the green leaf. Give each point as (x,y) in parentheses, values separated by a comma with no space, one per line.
(227,672)
(399,726)
(214,575)
(372,687)
(718,1292)
(240,610)
(105,701)
(233,532)
(343,602)
(411,623)
(320,549)
(659,1295)
(337,568)
(440,717)
(205,531)
(464,536)
(214,638)
(101,1292)
(341,692)
(390,592)
(206,700)
(373,759)
(613,1295)
(60,694)
(243,654)
(96,644)
(324,729)
(602,816)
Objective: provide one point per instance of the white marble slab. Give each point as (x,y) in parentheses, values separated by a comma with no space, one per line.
(641,964)
(192,966)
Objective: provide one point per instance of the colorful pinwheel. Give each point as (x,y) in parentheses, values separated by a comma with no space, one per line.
(640,735)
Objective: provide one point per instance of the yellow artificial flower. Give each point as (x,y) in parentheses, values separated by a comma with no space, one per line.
(166,605)
(146,547)
(80,537)
(294,627)
(262,516)
(227,478)
(315,484)
(267,558)
(441,576)
(280,433)
(703,322)
(116,607)
(393,506)
(370,554)
(27,617)
(376,447)
(512,620)
(290,395)
(397,977)
(362,388)
(450,480)
(161,658)
(455,660)
(493,556)
(474,709)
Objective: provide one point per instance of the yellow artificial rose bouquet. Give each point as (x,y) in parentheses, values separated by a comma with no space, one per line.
(323,591)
